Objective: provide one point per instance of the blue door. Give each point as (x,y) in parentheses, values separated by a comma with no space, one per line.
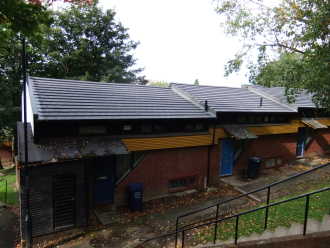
(301,142)
(104,180)
(227,157)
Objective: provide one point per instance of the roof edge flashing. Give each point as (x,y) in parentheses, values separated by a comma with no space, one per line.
(192,100)
(269,97)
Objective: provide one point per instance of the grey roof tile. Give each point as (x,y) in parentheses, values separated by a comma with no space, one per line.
(58,99)
(227,99)
(302,100)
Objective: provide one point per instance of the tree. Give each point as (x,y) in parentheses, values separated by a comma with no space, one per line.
(26,17)
(162,84)
(81,43)
(196,82)
(85,43)
(291,41)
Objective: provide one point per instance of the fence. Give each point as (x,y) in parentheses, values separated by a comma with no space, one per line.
(236,221)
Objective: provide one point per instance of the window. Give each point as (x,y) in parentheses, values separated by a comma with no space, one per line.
(92,130)
(269,163)
(200,127)
(272,162)
(184,182)
(241,119)
(146,128)
(127,128)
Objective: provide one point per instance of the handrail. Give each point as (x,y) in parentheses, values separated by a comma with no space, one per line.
(255,191)
(268,187)
(214,222)
(6,188)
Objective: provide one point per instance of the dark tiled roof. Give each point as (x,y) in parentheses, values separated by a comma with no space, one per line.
(227,99)
(302,100)
(66,148)
(57,99)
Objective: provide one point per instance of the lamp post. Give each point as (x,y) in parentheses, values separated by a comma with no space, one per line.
(24,175)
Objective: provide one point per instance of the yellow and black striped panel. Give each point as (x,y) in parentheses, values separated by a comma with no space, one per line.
(276,129)
(144,144)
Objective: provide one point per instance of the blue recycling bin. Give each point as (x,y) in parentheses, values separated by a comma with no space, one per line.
(135,196)
(253,167)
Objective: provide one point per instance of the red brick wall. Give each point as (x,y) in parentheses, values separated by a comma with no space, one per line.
(5,155)
(269,146)
(320,143)
(283,147)
(158,167)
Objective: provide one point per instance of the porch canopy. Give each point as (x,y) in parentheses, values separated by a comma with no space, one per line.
(313,123)
(239,132)
(68,148)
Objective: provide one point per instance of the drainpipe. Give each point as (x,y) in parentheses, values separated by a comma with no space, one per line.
(209,156)
(24,170)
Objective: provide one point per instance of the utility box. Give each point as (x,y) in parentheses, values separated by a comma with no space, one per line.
(253,169)
(135,196)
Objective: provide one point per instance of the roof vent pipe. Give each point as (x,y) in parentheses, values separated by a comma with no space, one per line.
(261,101)
(206,106)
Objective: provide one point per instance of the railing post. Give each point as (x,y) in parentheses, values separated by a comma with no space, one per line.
(236,229)
(267,208)
(306,214)
(216,225)
(182,243)
(176,231)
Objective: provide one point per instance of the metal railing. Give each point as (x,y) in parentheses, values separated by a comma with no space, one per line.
(236,217)
(217,205)
(3,190)
(179,218)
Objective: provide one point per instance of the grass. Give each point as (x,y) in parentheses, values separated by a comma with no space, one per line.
(12,195)
(281,215)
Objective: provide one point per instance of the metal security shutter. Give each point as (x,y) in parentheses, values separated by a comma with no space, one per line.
(64,192)
(40,202)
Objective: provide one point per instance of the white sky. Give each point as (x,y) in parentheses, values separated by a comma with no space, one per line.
(180,40)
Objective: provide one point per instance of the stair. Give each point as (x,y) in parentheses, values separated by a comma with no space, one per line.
(313,226)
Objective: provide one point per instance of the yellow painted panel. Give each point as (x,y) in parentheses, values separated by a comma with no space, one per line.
(219,134)
(324,121)
(144,144)
(276,129)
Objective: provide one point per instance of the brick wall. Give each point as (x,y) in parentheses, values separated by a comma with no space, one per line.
(158,167)
(281,147)
(5,155)
(320,143)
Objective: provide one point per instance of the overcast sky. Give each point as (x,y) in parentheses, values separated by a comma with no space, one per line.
(180,40)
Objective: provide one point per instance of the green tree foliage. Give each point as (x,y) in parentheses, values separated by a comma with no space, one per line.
(85,43)
(26,17)
(291,42)
(21,16)
(162,84)
(82,43)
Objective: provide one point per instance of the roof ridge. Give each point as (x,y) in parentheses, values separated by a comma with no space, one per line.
(270,97)
(103,83)
(192,100)
(211,86)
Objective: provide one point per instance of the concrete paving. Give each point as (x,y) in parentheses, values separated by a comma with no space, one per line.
(269,176)
(8,228)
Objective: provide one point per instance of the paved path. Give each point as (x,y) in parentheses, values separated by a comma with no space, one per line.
(8,228)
